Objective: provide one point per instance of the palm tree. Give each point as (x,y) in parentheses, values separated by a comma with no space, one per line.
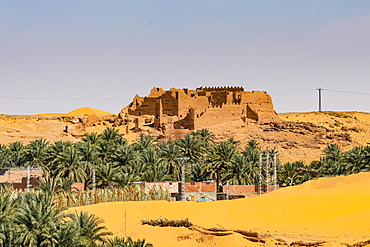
(122,242)
(306,177)
(91,137)
(57,148)
(9,231)
(145,142)
(330,167)
(89,228)
(48,185)
(289,174)
(116,242)
(126,179)
(66,235)
(356,160)
(136,167)
(332,152)
(89,156)
(205,135)
(50,160)
(38,218)
(222,156)
(251,151)
(9,234)
(110,134)
(124,155)
(253,144)
(65,184)
(106,174)
(241,172)
(36,151)
(156,173)
(71,166)
(199,172)
(170,154)
(55,185)
(191,147)
(155,169)
(88,151)
(4,156)
(137,243)
(106,150)
(108,142)
(17,154)
(233,141)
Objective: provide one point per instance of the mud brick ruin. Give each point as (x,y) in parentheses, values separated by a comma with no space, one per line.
(203,107)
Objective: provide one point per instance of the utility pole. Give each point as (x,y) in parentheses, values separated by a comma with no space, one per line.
(183,159)
(93,178)
(267,172)
(268,163)
(260,175)
(91,165)
(28,178)
(320,98)
(275,172)
(94,182)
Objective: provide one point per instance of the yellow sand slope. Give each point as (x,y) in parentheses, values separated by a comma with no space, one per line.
(336,210)
(84,111)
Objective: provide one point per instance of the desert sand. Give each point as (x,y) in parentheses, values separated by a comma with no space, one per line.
(333,210)
(84,111)
(48,126)
(301,142)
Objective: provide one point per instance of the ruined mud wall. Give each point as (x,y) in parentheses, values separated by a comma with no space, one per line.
(204,106)
(260,106)
(191,101)
(143,106)
(219,115)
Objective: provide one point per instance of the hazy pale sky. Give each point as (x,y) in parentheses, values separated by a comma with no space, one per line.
(56,56)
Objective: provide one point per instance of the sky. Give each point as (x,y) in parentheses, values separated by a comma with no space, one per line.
(57,56)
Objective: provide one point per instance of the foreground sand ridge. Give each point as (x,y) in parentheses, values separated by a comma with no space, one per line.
(328,210)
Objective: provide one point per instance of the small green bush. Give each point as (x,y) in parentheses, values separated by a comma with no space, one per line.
(164,222)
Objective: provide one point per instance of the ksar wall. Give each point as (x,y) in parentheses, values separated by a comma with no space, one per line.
(205,106)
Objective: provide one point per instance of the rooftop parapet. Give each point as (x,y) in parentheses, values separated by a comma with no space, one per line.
(231,89)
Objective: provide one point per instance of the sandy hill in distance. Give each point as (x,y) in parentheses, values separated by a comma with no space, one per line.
(84,111)
(301,136)
(333,210)
(49,126)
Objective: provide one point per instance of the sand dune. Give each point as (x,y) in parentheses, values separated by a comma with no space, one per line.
(336,210)
(84,111)
(88,111)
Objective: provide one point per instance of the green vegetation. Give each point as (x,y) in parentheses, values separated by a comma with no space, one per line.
(164,222)
(38,218)
(33,219)
(118,164)
(122,242)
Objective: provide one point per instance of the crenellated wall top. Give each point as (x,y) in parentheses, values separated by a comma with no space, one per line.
(226,88)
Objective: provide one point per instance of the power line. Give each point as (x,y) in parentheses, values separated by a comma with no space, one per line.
(339,91)
(293,91)
(326,89)
(30,98)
